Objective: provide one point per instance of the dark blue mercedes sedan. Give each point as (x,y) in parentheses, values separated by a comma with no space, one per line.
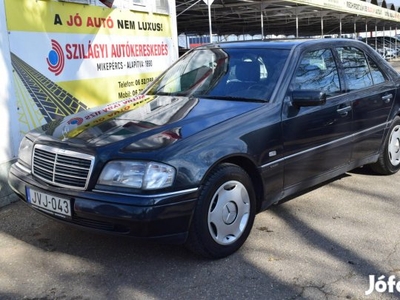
(224,133)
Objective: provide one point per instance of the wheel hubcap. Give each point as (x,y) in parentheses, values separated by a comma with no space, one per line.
(394,146)
(229,212)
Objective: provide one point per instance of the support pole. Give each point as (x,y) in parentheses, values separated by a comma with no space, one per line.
(209,18)
(262,20)
(322,25)
(297,22)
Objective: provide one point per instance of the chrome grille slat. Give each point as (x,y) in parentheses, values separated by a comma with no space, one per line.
(62,168)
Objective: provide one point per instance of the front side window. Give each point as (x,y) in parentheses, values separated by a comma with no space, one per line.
(356,68)
(317,71)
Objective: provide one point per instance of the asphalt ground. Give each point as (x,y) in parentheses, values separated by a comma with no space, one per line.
(323,244)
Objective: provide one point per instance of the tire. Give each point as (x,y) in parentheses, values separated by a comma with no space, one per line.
(389,159)
(224,213)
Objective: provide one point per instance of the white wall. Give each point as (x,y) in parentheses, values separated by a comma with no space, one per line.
(9,131)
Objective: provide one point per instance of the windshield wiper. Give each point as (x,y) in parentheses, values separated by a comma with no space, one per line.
(184,94)
(231,98)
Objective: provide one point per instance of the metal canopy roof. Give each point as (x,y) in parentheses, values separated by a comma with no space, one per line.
(290,18)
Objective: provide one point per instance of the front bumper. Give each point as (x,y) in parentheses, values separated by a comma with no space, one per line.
(166,217)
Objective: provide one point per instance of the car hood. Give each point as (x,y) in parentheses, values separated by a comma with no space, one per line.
(144,122)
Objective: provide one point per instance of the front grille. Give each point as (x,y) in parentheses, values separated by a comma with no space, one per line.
(62,168)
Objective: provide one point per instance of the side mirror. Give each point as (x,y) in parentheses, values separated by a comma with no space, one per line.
(308,98)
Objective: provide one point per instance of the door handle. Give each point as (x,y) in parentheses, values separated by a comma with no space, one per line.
(344,111)
(387,98)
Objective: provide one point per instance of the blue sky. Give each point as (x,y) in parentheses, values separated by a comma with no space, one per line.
(395,2)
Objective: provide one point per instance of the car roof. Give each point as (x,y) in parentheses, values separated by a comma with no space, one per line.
(281,44)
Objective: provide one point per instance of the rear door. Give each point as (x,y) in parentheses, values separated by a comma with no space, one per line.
(372,95)
(317,139)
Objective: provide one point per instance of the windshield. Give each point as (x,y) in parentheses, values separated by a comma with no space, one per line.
(223,73)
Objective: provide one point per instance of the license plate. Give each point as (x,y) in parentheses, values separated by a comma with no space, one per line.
(52,204)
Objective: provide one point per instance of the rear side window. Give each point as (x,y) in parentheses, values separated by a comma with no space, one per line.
(317,71)
(377,75)
(359,71)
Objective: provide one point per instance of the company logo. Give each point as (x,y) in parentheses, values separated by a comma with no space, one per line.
(55,58)
(390,285)
(69,129)
(75,121)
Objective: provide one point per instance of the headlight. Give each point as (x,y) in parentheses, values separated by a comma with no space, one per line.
(25,152)
(137,174)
